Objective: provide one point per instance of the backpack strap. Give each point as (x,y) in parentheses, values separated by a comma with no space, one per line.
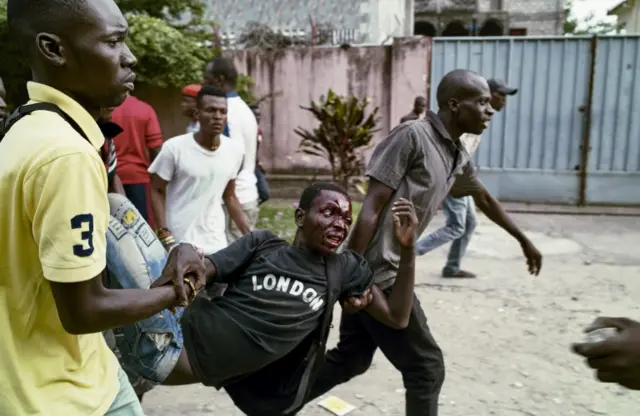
(333,273)
(27,109)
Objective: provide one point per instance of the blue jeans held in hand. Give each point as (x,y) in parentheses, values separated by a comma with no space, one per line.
(461,222)
(148,350)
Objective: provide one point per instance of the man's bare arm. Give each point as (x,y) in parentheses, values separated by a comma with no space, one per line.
(115,186)
(158,200)
(153,153)
(487,204)
(235,209)
(88,307)
(377,197)
(395,311)
(494,211)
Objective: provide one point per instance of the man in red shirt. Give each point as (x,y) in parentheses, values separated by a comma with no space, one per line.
(136,147)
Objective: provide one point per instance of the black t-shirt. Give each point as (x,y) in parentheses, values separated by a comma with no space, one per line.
(276,297)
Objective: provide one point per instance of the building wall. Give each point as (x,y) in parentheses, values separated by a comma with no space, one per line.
(386,19)
(539,17)
(358,21)
(630,18)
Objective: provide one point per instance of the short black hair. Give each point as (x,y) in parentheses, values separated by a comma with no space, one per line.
(420,100)
(459,83)
(312,191)
(210,90)
(27,18)
(223,67)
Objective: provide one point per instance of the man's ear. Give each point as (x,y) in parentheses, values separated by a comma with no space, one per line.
(300,213)
(453,105)
(50,47)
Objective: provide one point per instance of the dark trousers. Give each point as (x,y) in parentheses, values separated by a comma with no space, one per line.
(137,194)
(413,351)
(263,186)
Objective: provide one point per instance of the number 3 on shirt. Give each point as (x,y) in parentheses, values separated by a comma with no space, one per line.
(83,222)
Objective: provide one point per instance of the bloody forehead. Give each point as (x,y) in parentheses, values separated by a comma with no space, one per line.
(327,196)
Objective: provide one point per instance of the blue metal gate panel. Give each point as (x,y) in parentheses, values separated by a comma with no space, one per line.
(613,173)
(531,150)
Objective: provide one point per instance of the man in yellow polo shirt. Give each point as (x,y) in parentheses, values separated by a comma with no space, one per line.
(53,219)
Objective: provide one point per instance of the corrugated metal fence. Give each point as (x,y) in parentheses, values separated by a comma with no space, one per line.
(572,133)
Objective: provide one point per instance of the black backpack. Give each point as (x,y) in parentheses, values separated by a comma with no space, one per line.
(259,394)
(27,109)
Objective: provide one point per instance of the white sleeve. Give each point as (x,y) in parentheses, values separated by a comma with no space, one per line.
(164,164)
(251,131)
(236,131)
(240,155)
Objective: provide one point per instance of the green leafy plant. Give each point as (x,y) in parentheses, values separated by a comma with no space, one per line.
(170,49)
(167,37)
(166,56)
(244,88)
(344,131)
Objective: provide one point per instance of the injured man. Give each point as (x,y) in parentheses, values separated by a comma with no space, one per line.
(254,340)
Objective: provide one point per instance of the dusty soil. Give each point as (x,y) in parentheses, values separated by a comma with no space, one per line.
(505,335)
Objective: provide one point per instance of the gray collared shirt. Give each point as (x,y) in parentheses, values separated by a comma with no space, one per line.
(422,164)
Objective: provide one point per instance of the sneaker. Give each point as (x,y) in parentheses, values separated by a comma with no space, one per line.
(460,274)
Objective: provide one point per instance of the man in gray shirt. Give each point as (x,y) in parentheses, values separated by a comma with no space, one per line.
(461,212)
(422,161)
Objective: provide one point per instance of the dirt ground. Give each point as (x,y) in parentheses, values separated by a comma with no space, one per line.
(505,335)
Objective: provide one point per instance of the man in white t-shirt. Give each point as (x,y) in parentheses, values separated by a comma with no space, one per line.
(461,212)
(193,175)
(242,127)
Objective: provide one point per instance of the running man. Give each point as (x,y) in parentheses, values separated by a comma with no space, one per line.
(422,161)
(276,297)
(461,212)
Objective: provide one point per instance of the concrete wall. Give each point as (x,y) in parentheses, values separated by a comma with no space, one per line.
(390,76)
(387,19)
(539,17)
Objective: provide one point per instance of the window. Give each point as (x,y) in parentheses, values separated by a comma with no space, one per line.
(496,4)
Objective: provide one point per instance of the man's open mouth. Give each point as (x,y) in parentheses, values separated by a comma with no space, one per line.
(334,240)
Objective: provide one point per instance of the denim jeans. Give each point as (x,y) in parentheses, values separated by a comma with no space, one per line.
(263,186)
(461,222)
(137,194)
(149,349)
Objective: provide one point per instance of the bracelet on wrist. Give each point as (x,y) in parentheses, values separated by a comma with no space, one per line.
(163,232)
(194,292)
